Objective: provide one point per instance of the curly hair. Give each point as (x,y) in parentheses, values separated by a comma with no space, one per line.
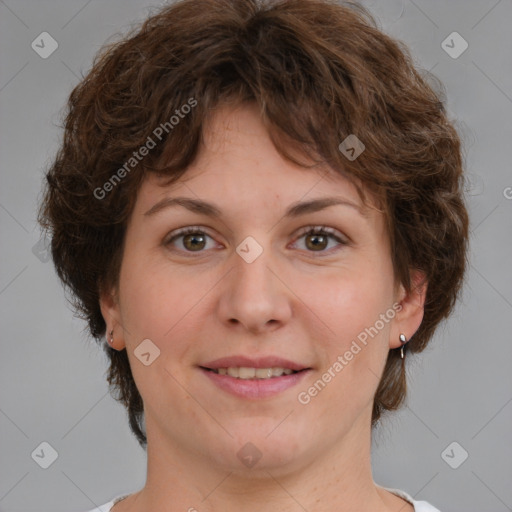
(319,71)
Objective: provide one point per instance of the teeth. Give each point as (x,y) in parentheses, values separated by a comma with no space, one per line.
(246,373)
(264,373)
(253,373)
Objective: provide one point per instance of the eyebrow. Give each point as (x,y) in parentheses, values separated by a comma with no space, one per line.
(294,210)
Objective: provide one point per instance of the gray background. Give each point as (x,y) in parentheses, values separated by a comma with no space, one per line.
(52,382)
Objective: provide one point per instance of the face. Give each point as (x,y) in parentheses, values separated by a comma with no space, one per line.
(258,290)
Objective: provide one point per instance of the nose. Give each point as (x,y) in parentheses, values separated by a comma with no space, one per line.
(255,296)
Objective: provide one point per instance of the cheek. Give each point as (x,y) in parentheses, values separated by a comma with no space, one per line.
(352,348)
(157,306)
(152,299)
(162,303)
(350,301)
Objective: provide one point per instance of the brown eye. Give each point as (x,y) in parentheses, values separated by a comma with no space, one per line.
(192,240)
(317,239)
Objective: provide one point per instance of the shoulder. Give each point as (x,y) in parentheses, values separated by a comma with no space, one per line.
(419,506)
(107,506)
(103,508)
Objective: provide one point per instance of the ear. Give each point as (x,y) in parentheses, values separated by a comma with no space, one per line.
(410,314)
(109,305)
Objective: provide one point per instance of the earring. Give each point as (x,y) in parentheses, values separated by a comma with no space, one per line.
(111,337)
(403,341)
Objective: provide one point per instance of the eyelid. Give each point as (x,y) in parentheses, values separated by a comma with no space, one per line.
(176,233)
(332,233)
(320,228)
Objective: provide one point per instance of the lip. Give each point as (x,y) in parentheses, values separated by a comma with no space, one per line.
(254,388)
(249,362)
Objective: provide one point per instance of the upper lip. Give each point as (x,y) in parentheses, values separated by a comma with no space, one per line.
(249,362)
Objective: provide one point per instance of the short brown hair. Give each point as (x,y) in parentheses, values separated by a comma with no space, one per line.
(319,71)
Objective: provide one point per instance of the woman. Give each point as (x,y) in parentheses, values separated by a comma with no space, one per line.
(258,206)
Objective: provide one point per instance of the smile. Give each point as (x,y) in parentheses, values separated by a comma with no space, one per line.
(251,383)
(243,372)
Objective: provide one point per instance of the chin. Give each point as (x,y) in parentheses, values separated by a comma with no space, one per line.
(262,445)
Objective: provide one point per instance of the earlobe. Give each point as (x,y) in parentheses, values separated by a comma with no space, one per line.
(109,306)
(412,303)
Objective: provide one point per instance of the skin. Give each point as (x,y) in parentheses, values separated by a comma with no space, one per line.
(293,301)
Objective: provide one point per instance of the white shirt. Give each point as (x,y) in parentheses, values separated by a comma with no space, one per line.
(419,506)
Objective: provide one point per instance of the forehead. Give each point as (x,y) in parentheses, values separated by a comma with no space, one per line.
(238,162)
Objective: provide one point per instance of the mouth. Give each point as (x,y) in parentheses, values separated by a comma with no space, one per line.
(251,378)
(246,373)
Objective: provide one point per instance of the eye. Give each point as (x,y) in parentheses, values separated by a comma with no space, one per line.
(317,238)
(194,238)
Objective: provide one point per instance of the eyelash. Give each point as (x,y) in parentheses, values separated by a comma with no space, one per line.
(308,230)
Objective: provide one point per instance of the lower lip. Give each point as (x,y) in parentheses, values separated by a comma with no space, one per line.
(255,388)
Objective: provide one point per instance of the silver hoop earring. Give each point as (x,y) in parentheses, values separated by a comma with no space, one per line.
(403,341)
